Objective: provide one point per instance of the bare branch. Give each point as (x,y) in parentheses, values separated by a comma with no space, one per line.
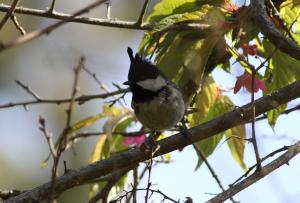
(17,24)
(165,197)
(63,140)
(105,22)
(5,194)
(51,8)
(103,194)
(253,132)
(280,161)
(255,165)
(108,9)
(142,14)
(211,170)
(74,92)
(28,90)
(81,99)
(102,86)
(133,156)
(35,34)
(48,136)
(8,13)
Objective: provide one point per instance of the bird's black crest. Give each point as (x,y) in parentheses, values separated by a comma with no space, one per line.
(130,54)
(140,68)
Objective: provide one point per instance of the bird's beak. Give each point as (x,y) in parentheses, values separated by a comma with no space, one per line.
(127,83)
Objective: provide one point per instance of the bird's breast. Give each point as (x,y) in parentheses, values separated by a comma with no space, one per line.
(160,113)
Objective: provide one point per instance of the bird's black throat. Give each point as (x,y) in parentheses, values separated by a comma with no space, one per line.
(141,95)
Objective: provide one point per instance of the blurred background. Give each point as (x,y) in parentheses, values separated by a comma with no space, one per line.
(46,65)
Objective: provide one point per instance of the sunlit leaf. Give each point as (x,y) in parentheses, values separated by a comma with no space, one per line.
(282,70)
(97,153)
(289,12)
(274,114)
(107,145)
(203,101)
(236,140)
(208,145)
(183,56)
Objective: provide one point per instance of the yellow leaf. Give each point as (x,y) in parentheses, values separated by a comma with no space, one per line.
(98,150)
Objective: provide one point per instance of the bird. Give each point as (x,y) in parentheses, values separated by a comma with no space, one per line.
(157,102)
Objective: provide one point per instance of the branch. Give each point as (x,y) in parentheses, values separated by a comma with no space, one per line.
(142,14)
(81,99)
(5,194)
(35,34)
(28,90)
(17,24)
(280,161)
(104,22)
(285,45)
(103,193)
(8,13)
(133,156)
(211,170)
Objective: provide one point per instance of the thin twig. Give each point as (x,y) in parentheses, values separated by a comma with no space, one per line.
(257,175)
(210,168)
(8,13)
(51,8)
(103,193)
(135,184)
(63,142)
(28,90)
(149,177)
(108,9)
(35,34)
(17,24)
(284,148)
(254,142)
(165,197)
(141,176)
(81,99)
(142,14)
(48,136)
(102,86)
(74,92)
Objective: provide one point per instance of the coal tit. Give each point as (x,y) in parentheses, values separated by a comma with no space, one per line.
(157,102)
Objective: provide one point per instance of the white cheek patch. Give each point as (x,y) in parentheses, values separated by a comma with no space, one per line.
(153,84)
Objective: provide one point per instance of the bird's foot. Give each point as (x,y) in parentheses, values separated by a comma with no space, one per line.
(150,145)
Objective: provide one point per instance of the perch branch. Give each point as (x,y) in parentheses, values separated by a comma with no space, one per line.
(134,156)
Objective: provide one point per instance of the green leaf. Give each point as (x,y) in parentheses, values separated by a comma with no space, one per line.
(282,70)
(203,101)
(177,18)
(208,145)
(236,140)
(171,7)
(289,12)
(274,114)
